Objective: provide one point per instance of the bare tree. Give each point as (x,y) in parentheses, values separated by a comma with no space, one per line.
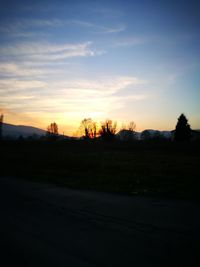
(52,129)
(131,126)
(93,133)
(127,132)
(88,128)
(108,130)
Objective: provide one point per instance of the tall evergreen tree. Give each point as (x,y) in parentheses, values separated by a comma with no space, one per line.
(183,130)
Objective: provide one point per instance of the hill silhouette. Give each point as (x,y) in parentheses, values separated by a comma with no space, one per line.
(15,131)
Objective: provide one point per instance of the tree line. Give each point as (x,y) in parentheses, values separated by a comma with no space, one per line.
(88,130)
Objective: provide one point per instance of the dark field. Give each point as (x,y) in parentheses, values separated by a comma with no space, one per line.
(150,168)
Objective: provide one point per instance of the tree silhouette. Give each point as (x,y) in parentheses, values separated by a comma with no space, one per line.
(108,130)
(88,128)
(182,131)
(127,132)
(52,129)
(131,126)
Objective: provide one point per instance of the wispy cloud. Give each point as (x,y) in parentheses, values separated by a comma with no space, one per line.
(98,28)
(30,51)
(16,70)
(14,85)
(105,84)
(73,96)
(32,27)
(36,70)
(13,26)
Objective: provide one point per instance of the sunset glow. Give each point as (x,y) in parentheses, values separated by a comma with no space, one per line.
(65,61)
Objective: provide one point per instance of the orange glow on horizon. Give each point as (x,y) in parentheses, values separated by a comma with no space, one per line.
(66,128)
(70,126)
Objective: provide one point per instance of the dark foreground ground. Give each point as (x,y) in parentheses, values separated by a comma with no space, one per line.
(145,168)
(45,225)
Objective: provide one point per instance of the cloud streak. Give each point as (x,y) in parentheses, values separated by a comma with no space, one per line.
(16,70)
(30,27)
(98,28)
(29,51)
(75,96)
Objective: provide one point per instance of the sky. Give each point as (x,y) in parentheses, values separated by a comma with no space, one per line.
(64,61)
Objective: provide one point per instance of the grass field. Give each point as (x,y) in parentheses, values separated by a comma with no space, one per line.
(161,168)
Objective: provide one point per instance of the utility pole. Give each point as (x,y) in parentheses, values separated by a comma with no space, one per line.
(1,126)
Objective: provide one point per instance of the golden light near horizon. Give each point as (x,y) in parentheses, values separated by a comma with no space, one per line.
(73,101)
(58,68)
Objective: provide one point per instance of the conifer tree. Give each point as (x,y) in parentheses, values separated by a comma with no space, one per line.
(182,131)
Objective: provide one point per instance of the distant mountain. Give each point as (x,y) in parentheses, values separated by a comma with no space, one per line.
(146,134)
(15,131)
(155,134)
(196,134)
(150,134)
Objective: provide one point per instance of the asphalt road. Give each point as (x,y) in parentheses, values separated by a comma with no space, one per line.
(45,225)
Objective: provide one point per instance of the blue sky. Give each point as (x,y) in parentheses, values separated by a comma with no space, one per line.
(65,61)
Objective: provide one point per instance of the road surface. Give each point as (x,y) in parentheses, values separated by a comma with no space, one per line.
(44,225)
